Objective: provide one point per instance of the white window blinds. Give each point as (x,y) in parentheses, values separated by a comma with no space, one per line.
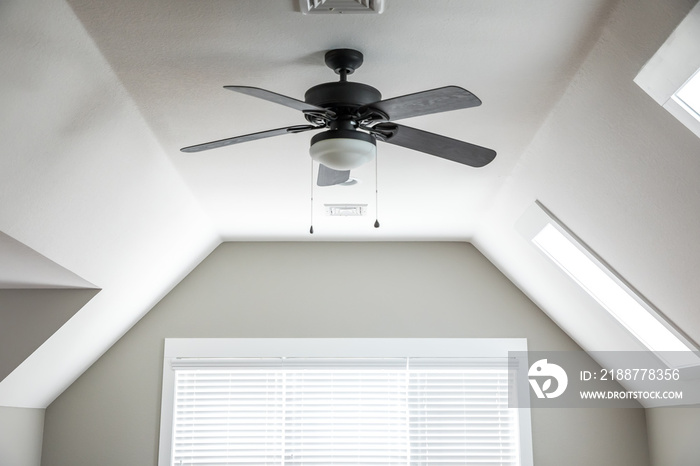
(396,411)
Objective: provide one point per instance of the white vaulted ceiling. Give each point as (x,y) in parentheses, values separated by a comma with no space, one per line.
(98,97)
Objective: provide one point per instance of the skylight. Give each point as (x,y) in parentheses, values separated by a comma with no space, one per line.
(689,95)
(601,283)
(672,75)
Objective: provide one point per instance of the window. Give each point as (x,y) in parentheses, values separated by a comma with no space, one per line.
(688,96)
(607,288)
(448,406)
(670,77)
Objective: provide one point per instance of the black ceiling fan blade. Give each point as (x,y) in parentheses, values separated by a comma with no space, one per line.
(434,144)
(279,99)
(330,177)
(443,99)
(248,137)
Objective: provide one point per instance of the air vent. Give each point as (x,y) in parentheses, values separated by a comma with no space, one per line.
(341,6)
(346,210)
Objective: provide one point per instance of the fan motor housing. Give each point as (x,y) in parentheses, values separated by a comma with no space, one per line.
(342,94)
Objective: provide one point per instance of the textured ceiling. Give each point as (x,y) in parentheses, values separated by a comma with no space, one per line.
(98,97)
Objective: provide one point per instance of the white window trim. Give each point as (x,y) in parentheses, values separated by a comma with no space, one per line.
(332,348)
(671,66)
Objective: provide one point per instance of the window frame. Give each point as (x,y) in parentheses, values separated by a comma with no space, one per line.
(175,348)
(667,71)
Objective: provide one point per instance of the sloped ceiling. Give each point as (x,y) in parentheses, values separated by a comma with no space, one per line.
(99,96)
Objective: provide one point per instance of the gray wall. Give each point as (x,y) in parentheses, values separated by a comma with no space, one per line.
(30,316)
(21,432)
(110,416)
(27,318)
(673,436)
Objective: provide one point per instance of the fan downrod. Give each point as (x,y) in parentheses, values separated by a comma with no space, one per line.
(344,61)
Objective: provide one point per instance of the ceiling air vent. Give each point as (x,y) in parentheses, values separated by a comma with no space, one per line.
(341,6)
(346,210)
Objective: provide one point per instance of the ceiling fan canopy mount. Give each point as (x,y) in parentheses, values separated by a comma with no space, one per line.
(344,61)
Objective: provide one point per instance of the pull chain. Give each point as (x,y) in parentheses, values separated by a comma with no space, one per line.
(311,230)
(376,192)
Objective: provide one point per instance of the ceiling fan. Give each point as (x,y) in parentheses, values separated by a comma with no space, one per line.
(355,117)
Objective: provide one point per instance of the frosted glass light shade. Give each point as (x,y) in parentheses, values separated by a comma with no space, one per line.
(343,150)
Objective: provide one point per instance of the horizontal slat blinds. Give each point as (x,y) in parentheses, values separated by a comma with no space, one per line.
(349,411)
(461,417)
(228,416)
(346,417)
